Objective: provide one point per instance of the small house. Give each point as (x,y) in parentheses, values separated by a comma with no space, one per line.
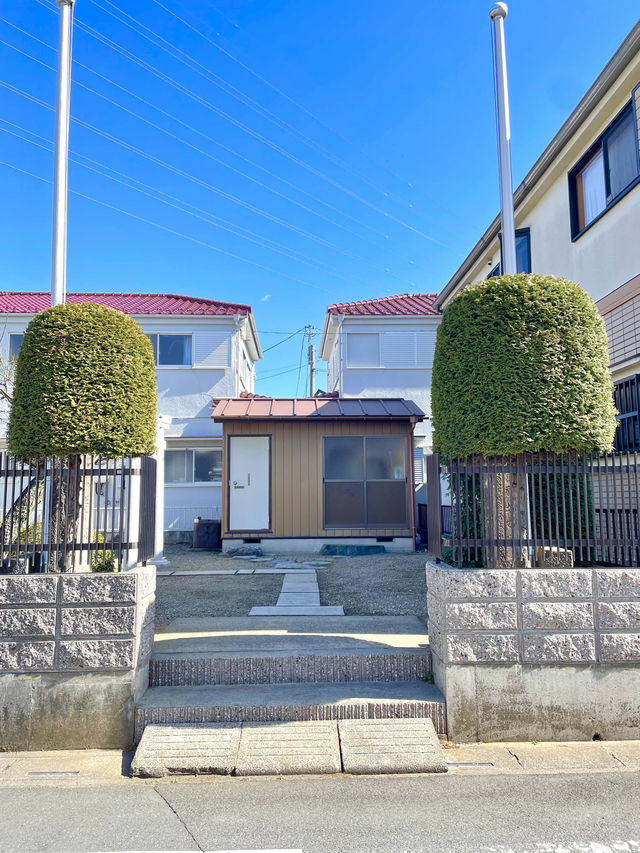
(302,473)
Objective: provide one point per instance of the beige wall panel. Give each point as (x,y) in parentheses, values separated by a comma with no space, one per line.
(297,471)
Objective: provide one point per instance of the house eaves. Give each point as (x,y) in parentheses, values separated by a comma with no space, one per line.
(627,51)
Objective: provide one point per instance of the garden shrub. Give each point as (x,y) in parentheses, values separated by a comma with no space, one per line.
(521,364)
(85,383)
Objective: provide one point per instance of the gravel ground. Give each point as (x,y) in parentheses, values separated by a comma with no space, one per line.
(214,595)
(379,585)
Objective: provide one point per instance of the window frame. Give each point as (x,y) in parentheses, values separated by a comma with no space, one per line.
(600,146)
(14,335)
(193,482)
(362,366)
(406,480)
(157,336)
(626,395)
(519,232)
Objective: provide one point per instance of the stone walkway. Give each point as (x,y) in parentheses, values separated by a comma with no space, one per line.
(300,594)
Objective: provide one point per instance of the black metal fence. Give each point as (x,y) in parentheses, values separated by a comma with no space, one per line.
(66,515)
(532,509)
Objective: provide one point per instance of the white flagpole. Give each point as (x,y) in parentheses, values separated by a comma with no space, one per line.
(497,14)
(61,155)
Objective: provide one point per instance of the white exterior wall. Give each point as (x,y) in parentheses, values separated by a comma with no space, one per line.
(410,383)
(605,255)
(222,367)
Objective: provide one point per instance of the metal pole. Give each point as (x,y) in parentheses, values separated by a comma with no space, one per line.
(311,354)
(497,14)
(60,176)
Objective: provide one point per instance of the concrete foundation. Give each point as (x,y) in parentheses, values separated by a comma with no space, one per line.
(270,545)
(74,658)
(536,654)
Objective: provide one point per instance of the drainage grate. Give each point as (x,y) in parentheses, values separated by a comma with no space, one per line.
(52,773)
(470,764)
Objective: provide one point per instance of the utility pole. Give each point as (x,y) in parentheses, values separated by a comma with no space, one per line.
(311,357)
(497,14)
(61,155)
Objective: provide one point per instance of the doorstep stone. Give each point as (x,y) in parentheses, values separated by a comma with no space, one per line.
(292,610)
(288,748)
(197,748)
(390,746)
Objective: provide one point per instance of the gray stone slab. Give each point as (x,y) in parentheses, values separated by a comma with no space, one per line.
(390,746)
(202,748)
(299,610)
(288,748)
(245,571)
(296,599)
(300,586)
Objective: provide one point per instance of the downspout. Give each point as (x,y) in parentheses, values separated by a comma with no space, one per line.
(413,489)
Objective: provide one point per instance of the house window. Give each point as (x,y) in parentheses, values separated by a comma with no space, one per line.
(363,350)
(523,253)
(193,466)
(365,481)
(14,346)
(626,399)
(171,350)
(607,170)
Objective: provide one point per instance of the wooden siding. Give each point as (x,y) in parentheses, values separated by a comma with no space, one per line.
(623,331)
(297,500)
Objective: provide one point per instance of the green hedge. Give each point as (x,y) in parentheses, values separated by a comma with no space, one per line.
(521,364)
(85,383)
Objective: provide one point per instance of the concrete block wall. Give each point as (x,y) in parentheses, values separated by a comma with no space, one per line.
(74,657)
(549,653)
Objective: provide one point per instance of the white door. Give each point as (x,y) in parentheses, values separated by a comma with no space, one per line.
(249,482)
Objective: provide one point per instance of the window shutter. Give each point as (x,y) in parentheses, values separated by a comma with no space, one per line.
(398,349)
(211,349)
(425,348)
(418,465)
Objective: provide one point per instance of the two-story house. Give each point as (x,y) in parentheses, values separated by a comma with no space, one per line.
(203,349)
(577,211)
(577,215)
(384,348)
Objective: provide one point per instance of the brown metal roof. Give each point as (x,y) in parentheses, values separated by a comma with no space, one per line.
(308,408)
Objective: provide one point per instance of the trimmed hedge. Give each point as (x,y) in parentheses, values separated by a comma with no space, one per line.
(522,364)
(85,383)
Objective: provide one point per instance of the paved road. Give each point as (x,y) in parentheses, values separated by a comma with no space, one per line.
(489,813)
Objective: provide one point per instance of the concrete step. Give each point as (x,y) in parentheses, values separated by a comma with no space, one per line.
(312,746)
(276,650)
(341,665)
(291,702)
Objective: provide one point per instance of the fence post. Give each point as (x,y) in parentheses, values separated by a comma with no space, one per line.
(158,551)
(133,511)
(434,505)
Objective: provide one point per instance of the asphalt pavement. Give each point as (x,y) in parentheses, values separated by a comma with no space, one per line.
(500,813)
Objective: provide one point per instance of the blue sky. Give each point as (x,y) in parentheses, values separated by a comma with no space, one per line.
(307,153)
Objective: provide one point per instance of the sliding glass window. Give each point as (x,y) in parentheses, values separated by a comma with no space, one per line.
(365,481)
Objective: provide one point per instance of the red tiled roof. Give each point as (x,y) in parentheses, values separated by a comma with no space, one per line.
(405,304)
(273,408)
(18,302)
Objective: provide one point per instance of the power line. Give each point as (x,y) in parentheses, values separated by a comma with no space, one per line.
(221,82)
(198,181)
(245,128)
(223,224)
(167,229)
(292,335)
(291,370)
(210,139)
